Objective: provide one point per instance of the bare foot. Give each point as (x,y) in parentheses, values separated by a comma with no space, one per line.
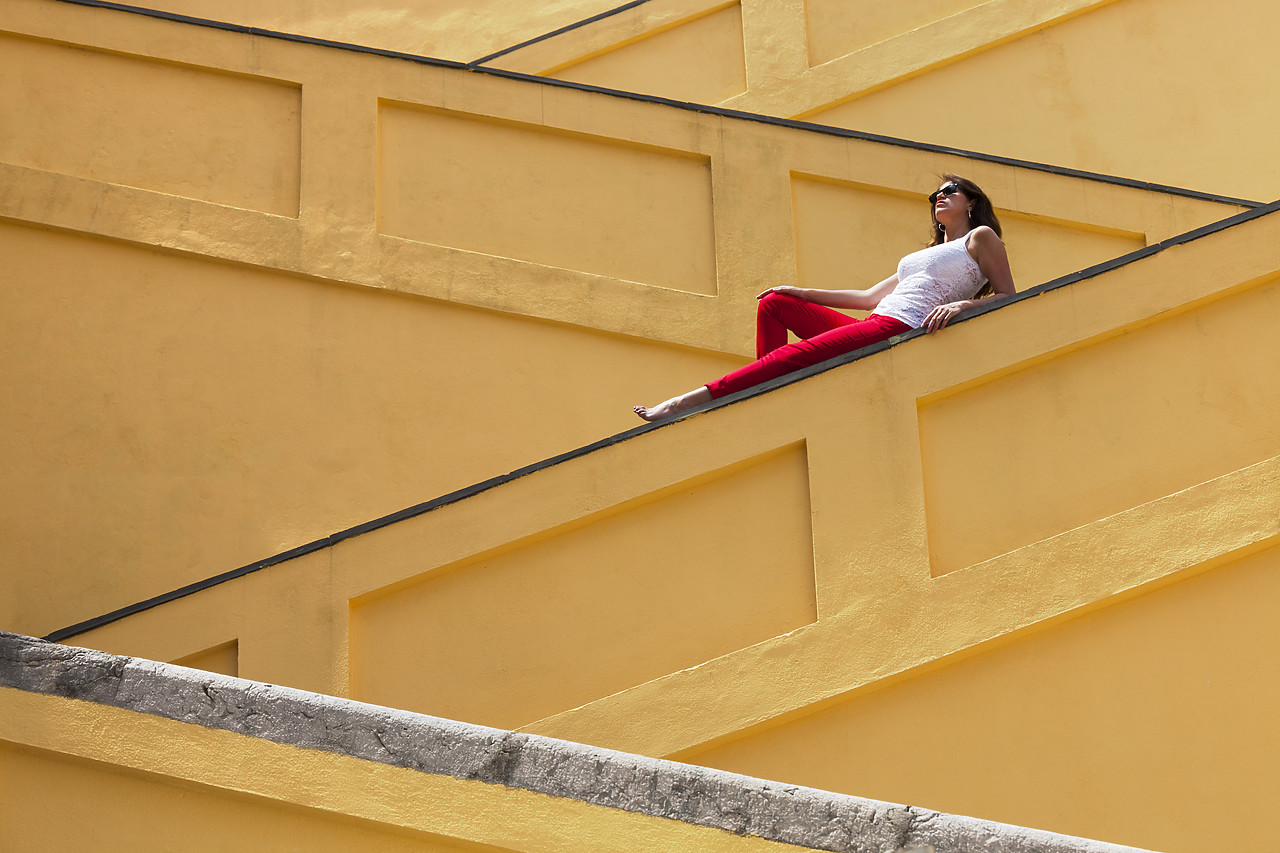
(674,406)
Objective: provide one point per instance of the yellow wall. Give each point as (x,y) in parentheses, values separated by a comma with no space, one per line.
(54,802)
(260,291)
(545,196)
(1148,89)
(1188,384)
(457,30)
(589,609)
(1151,707)
(284,289)
(533,603)
(698,59)
(158,784)
(1143,88)
(132,121)
(206,416)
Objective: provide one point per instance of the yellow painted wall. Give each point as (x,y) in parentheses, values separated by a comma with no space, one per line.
(834,28)
(699,59)
(1121,724)
(260,291)
(53,802)
(1147,89)
(576,574)
(223,658)
(159,784)
(1141,88)
(457,30)
(853,231)
(132,121)
(207,415)
(594,607)
(283,289)
(550,198)
(1156,410)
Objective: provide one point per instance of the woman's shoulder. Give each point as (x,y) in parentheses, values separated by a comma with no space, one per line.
(980,238)
(984,234)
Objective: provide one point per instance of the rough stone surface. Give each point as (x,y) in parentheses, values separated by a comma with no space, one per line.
(787,813)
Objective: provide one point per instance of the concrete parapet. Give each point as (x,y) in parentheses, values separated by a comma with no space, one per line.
(741,805)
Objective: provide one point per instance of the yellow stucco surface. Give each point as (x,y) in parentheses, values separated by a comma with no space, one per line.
(192,380)
(131,121)
(259,365)
(1148,89)
(1156,410)
(126,810)
(833,32)
(154,783)
(1152,705)
(544,190)
(1097,95)
(698,59)
(591,608)
(260,291)
(491,595)
(458,30)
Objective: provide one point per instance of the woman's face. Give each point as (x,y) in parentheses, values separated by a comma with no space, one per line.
(950,204)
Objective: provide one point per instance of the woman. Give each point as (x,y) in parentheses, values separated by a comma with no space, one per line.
(964,266)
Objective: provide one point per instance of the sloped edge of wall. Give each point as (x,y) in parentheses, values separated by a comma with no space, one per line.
(739,804)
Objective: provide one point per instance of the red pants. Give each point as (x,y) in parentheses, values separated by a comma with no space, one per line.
(826,333)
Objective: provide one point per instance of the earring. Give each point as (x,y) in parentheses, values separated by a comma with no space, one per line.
(971,215)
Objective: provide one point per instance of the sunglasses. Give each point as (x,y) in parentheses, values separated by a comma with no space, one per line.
(949,189)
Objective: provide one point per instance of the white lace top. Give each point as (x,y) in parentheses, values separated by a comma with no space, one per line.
(929,278)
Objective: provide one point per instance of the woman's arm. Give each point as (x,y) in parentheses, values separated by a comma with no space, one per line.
(988,250)
(859,300)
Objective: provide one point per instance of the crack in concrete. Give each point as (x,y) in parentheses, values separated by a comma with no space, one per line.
(377,735)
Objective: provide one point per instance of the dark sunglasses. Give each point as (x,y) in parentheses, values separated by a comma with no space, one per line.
(950,189)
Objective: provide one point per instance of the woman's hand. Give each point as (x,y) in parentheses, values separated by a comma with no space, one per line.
(785,290)
(942,315)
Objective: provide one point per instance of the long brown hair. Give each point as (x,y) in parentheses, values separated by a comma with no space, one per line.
(982,213)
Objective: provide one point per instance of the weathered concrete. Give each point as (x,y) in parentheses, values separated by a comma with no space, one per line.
(739,804)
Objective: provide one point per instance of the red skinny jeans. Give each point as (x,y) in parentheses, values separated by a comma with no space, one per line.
(825,333)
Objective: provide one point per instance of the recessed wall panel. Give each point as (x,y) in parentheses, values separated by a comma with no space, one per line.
(837,27)
(853,235)
(564,200)
(1042,249)
(668,582)
(1109,91)
(134,121)
(1149,412)
(701,60)
(223,658)
(1098,699)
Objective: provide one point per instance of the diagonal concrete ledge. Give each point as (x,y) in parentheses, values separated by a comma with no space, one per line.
(739,804)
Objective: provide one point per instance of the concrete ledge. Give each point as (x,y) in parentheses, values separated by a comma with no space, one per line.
(737,804)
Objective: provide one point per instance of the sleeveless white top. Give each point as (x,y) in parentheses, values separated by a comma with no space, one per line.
(929,278)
